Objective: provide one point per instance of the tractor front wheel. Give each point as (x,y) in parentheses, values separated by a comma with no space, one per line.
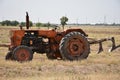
(23,53)
(74,46)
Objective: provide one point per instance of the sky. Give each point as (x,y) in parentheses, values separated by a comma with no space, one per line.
(77,11)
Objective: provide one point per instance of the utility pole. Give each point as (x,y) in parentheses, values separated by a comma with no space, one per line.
(77,21)
(86,20)
(104,20)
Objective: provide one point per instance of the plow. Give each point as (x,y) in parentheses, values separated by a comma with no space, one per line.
(70,44)
(100,42)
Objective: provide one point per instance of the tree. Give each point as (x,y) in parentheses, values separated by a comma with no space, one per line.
(22,23)
(3,23)
(30,23)
(14,23)
(63,21)
(9,23)
(48,25)
(39,24)
(6,22)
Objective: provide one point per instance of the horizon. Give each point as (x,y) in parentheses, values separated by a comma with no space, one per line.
(79,11)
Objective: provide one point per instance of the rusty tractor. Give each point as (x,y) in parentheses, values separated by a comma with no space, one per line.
(71,44)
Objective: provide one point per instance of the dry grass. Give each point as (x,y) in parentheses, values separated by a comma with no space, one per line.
(104,66)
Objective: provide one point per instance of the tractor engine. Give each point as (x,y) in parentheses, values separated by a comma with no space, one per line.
(36,43)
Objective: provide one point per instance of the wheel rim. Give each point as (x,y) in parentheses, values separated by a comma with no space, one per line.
(22,55)
(76,46)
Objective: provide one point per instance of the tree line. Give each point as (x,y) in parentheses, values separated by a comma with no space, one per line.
(63,22)
(17,23)
(9,23)
(14,23)
(38,24)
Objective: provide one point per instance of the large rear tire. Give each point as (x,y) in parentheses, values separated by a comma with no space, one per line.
(23,53)
(74,46)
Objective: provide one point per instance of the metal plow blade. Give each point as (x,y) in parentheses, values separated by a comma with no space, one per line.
(100,41)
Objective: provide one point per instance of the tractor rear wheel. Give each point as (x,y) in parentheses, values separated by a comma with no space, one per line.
(74,46)
(23,53)
(9,56)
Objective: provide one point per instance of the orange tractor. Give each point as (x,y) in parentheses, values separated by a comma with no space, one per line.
(71,44)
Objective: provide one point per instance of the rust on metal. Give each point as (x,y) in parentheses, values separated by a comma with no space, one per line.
(75,47)
(22,54)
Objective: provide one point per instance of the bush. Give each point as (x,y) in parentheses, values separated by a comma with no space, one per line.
(9,23)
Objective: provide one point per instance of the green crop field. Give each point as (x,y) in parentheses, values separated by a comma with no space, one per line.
(103,66)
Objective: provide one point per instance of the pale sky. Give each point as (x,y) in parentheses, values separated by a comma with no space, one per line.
(81,11)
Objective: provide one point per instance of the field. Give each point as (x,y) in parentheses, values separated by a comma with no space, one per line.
(103,66)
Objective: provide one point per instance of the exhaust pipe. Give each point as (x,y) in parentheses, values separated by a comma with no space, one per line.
(27,21)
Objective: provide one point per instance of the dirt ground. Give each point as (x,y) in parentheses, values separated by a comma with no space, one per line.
(103,66)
